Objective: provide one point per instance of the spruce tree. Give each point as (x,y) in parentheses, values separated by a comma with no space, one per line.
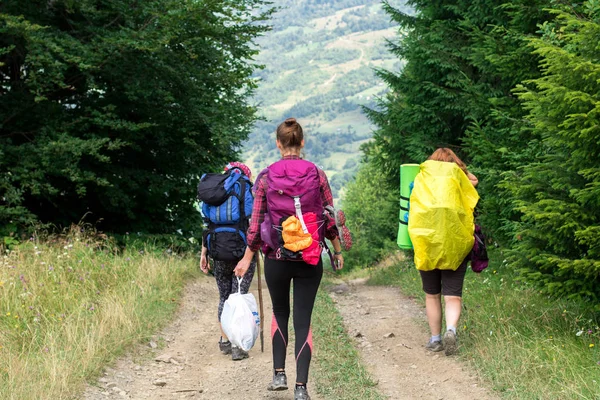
(463,59)
(558,190)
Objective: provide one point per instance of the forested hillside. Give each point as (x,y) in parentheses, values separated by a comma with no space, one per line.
(319,62)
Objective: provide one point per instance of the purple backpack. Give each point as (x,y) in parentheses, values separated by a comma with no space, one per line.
(479,256)
(293,188)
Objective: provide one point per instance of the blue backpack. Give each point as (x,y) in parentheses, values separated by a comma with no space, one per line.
(226,207)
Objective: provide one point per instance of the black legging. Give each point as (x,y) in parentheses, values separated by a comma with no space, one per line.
(307,278)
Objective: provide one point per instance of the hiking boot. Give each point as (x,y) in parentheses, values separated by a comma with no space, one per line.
(225,347)
(434,346)
(301,393)
(450,343)
(279,382)
(238,354)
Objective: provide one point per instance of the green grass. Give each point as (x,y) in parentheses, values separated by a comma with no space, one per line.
(524,344)
(70,306)
(300,50)
(340,373)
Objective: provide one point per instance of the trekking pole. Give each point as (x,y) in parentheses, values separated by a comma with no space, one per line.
(260,303)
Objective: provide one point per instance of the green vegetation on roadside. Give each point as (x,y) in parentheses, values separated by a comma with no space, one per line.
(71,305)
(513,86)
(370,202)
(340,374)
(523,343)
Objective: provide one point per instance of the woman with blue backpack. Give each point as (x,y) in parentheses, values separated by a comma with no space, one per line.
(289,223)
(227,205)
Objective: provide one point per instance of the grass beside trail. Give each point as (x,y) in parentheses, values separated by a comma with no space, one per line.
(339,372)
(526,345)
(70,307)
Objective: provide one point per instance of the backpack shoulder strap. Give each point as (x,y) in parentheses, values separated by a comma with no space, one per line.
(242,199)
(262,173)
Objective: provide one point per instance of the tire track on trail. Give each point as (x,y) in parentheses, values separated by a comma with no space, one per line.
(385,326)
(190,365)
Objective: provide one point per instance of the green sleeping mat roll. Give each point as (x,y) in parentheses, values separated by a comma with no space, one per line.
(407,177)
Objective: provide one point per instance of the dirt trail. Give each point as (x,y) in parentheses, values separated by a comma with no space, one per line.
(386,327)
(192,366)
(189,365)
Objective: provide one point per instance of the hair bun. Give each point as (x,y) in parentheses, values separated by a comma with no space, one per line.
(290,121)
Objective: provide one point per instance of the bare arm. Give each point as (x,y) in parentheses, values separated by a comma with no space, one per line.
(204,264)
(473,179)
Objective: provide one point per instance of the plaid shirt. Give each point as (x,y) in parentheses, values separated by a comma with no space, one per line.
(260,207)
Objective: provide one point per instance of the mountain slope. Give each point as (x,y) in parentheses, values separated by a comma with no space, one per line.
(319,68)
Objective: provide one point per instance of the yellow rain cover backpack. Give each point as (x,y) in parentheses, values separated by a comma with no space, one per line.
(440,220)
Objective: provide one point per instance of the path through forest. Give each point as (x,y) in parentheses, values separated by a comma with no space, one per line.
(185,363)
(390,331)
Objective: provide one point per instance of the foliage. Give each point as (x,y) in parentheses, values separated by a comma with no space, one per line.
(111,111)
(371,209)
(498,141)
(455,69)
(536,152)
(558,190)
(72,304)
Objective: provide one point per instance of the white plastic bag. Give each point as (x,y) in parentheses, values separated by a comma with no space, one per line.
(240,320)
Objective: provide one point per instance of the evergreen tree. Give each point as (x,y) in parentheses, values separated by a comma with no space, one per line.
(498,141)
(463,58)
(425,107)
(558,190)
(114,108)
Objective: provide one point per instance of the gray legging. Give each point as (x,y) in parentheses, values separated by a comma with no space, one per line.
(227,281)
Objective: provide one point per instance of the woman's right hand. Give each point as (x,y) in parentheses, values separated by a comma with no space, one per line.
(243,265)
(204,265)
(473,179)
(339,261)
(241,268)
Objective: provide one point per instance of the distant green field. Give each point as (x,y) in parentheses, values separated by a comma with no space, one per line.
(303,49)
(356,119)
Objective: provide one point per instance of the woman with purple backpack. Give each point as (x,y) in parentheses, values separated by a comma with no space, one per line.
(288,221)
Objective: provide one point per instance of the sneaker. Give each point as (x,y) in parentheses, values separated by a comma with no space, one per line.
(279,382)
(238,354)
(225,347)
(434,346)
(300,393)
(450,343)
